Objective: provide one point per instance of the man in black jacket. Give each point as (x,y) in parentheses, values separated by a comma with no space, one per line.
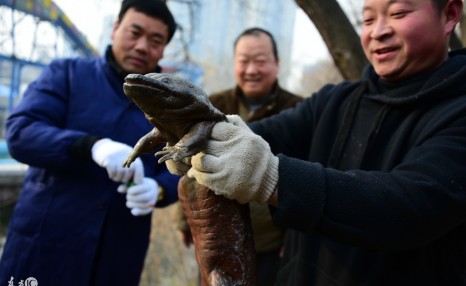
(371,179)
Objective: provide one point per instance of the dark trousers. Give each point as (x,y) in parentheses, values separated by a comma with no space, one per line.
(267,267)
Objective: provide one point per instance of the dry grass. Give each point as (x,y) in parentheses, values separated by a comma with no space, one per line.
(168,261)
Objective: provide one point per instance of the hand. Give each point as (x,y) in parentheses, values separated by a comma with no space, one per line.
(237,163)
(110,155)
(141,198)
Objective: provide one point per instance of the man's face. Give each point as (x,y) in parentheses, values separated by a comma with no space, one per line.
(255,66)
(139,41)
(402,38)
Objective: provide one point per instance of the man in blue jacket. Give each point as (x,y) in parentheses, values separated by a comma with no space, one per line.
(83,219)
(370,179)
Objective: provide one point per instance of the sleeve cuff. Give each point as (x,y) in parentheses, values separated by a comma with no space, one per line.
(81,148)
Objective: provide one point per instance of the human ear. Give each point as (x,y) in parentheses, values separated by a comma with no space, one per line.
(452,12)
(115,27)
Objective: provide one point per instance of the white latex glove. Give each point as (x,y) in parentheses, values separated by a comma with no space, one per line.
(141,198)
(111,154)
(237,163)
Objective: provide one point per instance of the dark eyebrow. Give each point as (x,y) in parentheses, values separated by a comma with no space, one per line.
(137,27)
(140,28)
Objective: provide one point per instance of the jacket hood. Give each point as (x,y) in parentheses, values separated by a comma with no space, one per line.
(448,80)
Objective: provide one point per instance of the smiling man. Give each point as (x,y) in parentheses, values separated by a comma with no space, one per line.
(371,180)
(392,42)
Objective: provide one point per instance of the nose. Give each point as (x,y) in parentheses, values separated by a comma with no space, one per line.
(381,29)
(251,68)
(142,44)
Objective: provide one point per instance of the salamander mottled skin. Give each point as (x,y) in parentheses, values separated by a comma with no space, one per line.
(222,236)
(184,117)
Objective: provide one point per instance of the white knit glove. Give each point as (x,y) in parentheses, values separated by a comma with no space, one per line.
(111,154)
(180,167)
(237,163)
(141,198)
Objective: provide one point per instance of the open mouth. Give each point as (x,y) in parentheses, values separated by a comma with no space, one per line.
(384,51)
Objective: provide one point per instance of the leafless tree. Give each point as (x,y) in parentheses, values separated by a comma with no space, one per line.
(338,34)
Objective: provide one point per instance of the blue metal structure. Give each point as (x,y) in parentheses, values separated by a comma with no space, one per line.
(25,49)
(40,11)
(47,10)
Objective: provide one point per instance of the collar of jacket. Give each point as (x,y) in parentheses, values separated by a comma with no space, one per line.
(445,81)
(267,101)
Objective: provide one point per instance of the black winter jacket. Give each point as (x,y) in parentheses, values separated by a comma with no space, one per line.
(372,180)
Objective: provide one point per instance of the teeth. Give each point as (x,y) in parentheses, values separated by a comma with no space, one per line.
(383,51)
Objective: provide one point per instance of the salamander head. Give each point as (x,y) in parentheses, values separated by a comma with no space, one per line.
(154,92)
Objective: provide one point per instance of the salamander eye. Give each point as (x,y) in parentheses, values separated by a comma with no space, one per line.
(166,80)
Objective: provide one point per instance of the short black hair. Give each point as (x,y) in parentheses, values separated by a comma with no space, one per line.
(154,8)
(255,31)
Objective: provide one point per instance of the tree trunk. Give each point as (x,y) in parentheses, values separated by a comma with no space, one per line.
(338,34)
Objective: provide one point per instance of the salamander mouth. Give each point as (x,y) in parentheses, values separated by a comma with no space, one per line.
(135,84)
(136,81)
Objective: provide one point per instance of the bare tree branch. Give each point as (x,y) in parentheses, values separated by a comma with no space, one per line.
(338,34)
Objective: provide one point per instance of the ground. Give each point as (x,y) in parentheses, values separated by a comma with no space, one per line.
(168,261)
